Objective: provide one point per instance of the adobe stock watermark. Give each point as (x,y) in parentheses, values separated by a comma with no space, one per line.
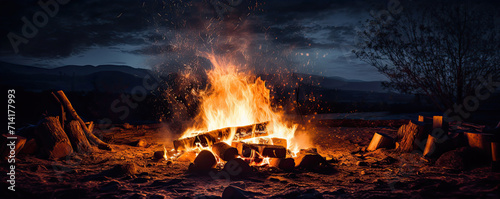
(458,113)
(40,19)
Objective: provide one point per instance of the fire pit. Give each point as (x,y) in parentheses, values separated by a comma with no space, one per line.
(236,98)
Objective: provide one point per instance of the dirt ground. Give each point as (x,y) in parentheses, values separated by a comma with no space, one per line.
(355,174)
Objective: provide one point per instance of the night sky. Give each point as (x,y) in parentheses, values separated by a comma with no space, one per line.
(313,37)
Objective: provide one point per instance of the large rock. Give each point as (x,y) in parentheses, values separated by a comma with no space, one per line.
(463,158)
(231,192)
(204,162)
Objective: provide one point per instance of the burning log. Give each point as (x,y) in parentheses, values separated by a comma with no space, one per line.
(411,134)
(54,143)
(243,149)
(204,139)
(380,140)
(273,151)
(251,131)
(224,151)
(187,156)
(286,164)
(204,162)
(279,142)
(77,137)
(90,136)
(265,150)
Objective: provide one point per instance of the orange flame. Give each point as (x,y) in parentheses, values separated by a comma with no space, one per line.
(237,98)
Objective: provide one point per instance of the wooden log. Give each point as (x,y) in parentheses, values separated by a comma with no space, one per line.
(435,147)
(431,147)
(251,131)
(495,151)
(263,150)
(243,149)
(186,156)
(11,145)
(54,143)
(381,140)
(30,147)
(412,136)
(481,141)
(495,156)
(424,119)
(205,139)
(437,122)
(90,125)
(224,151)
(63,113)
(77,137)
(90,136)
(279,142)
(273,151)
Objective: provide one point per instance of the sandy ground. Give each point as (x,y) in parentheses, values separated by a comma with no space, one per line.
(356,174)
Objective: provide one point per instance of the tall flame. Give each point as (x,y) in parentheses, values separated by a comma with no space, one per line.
(237,98)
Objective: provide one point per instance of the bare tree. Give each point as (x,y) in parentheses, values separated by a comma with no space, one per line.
(442,51)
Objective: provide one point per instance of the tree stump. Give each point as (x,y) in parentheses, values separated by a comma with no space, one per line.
(412,136)
(54,143)
(481,141)
(77,137)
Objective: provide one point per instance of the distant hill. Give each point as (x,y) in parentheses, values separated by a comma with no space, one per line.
(70,69)
(104,78)
(336,83)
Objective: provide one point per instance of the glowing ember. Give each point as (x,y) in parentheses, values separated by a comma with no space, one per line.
(165,153)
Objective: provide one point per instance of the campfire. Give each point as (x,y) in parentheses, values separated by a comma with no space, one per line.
(237,121)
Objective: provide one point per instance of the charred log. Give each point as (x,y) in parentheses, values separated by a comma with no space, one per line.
(77,137)
(54,143)
(91,137)
(224,151)
(412,136)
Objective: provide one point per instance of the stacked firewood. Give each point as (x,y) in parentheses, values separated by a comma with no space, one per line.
(432,137)
(262,150)
(55,137)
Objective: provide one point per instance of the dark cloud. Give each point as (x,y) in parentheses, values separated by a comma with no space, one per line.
(282,12)
(77,26)
(82,24)
(153,50)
